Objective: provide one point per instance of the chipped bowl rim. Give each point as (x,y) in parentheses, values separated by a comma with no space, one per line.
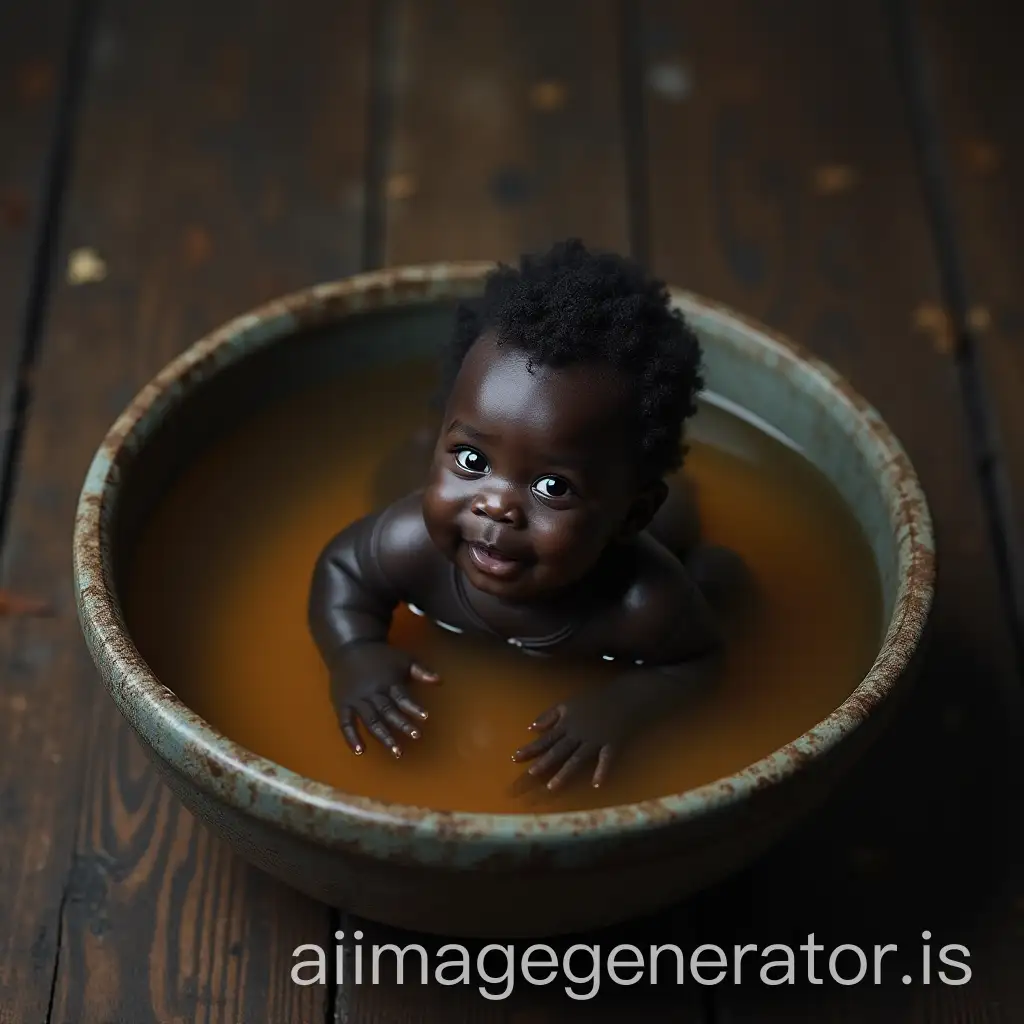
(324,814)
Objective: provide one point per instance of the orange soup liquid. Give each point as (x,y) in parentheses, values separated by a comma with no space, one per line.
(217,602)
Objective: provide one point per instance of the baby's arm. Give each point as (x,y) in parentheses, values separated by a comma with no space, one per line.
(357,582)
(666,634)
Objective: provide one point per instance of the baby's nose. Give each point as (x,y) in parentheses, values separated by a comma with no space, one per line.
(501,507)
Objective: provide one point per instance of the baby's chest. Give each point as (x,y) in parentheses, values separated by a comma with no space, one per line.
(607,637)
(601,637)
(441,616)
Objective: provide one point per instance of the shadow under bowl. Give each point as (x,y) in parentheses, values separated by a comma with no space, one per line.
(467,874)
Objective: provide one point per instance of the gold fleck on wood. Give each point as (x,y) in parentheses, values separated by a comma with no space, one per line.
(86,266)
(834,179)
(982,156)
(548,96)
(401,186)
(22,605)
(979,318)
(932,319)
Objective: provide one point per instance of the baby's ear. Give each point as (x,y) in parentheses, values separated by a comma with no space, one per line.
(644,508)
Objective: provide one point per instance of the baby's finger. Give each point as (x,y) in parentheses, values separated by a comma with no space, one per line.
(393,716)
(423,675)
(538,746)
(350,732)
(402,700)
(548,719)
(604,760)
(377,727)
(579,757)
(555,756)
(525,783)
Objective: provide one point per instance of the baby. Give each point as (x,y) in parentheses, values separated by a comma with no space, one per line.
(545,519)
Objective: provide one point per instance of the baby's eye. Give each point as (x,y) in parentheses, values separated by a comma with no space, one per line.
(552,487)
(470,460)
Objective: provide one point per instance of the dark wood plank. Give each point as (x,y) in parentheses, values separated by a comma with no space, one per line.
(219,162)
(507,135)
(975,77)
(783,183)
(34,42)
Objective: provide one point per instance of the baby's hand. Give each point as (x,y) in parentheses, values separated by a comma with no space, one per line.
(576,733)
(369,684)
(595,724)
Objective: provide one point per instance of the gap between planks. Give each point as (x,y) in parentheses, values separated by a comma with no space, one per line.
(923,117)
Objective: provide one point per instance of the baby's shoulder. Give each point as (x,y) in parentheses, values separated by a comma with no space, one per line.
(656,612)
(656,585)
(401,544)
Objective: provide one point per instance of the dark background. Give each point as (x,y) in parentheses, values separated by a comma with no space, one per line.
(847,172)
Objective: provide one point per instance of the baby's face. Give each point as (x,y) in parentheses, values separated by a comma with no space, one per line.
(533,473)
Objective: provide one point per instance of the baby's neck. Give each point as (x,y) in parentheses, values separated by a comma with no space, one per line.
(554,613)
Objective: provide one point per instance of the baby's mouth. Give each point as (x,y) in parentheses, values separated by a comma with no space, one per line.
(493,562)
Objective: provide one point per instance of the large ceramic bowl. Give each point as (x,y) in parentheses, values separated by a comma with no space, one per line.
(480,874)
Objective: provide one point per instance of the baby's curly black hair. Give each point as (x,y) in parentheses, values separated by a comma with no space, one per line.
(572,305)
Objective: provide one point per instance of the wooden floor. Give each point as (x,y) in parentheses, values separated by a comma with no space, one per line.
(843,171)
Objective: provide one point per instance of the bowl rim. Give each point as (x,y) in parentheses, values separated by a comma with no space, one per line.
(322,813)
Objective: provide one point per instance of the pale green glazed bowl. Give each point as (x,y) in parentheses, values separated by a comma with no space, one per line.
(479,874)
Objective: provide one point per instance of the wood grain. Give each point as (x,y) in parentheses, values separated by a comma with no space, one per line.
(783,183)
(973,69)
(219,163)
(507,129)
(34,42)
(506,134)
